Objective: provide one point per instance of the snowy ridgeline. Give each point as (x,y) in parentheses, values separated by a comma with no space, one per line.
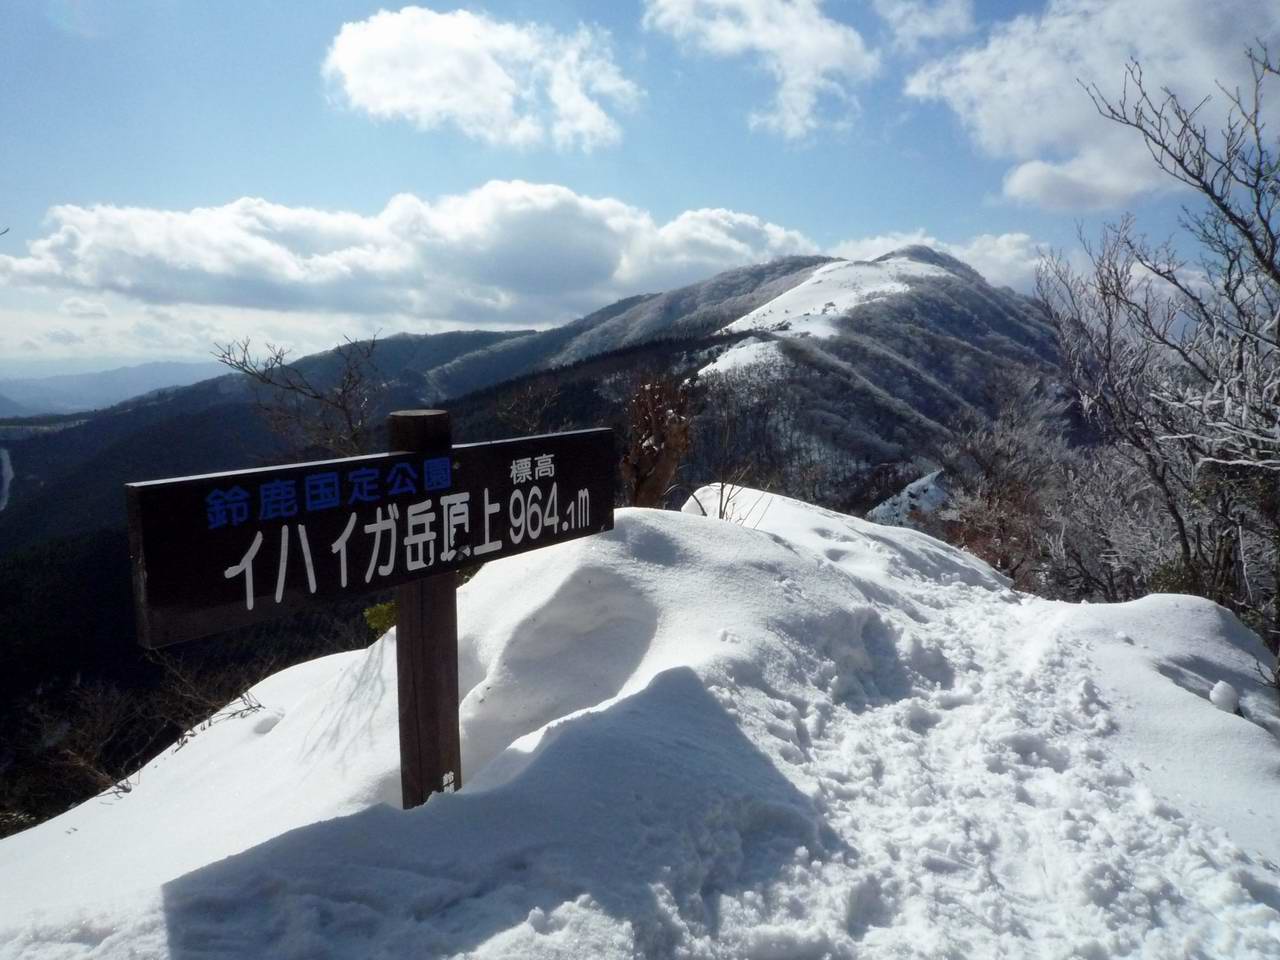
(803,735)
(817,307)
(812,308)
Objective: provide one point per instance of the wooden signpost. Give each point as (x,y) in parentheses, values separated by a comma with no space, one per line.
(225,550)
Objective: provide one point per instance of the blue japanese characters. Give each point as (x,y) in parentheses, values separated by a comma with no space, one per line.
(279,499)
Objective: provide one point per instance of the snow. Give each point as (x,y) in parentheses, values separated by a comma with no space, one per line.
(812,308)
(1225,697)
(791,733)
(923,496)
(743,354)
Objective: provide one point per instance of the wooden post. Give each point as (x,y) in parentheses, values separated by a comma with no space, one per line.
(427,645)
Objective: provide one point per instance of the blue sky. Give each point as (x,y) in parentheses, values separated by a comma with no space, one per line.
(179,173)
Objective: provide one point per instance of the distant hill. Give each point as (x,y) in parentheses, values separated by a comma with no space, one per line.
(73,392)
(68,481)
(880,355)
(11,408)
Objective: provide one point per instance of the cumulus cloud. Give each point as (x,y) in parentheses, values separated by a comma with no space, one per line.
(1018,96)
(508,252)
(915,21)
(510,84)
(811,56)
(699,243)
(1004,260)
(247,253)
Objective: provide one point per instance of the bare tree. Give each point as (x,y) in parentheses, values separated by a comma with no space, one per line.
(1223,322)
(332,410)
(753,430)
(527,409)
(1115,371)
(1003,476)
(1178,362)
(658,439)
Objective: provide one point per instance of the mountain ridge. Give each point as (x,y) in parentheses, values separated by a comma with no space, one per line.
(76,392)
(898,364)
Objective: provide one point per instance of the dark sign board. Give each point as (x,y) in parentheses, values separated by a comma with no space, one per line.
(225,550)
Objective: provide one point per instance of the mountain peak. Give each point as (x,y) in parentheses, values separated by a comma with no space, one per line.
(925,254)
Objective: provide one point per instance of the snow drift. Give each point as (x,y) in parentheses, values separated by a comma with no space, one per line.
(920,497)
(800,735)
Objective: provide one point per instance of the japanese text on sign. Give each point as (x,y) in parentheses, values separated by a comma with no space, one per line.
(258,540)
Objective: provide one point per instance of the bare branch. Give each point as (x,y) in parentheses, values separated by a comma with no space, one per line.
(331,410)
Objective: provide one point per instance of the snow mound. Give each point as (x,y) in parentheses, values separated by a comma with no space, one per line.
(923,496)
(813,307)
(790,733)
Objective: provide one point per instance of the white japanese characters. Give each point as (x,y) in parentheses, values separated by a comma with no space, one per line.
(420,537)
(405,538)
(224,550)
(526,469)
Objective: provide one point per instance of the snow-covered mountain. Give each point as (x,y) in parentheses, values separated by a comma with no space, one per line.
(879,356)
(882,354)
(911,305)
(795,735)
(885,354)
(813,306)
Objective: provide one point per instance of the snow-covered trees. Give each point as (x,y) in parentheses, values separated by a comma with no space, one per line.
(1003,475)
(1176,361)
(1223,322)
(756,426)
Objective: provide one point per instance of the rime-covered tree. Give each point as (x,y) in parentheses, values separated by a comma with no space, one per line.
(1176,357)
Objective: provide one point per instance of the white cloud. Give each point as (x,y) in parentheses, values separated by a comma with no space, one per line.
(84,309)
(915,21)
(698,243)
(1004,260)
(247,253)
(510,84)
(507,253)
(64,337)
(810,55)
(1018,96)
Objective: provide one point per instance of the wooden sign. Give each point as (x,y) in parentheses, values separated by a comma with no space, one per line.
(225,550)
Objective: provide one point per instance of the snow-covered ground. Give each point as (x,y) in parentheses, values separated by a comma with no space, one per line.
(803,735)
(746,352)
(923,496)
(812,307)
